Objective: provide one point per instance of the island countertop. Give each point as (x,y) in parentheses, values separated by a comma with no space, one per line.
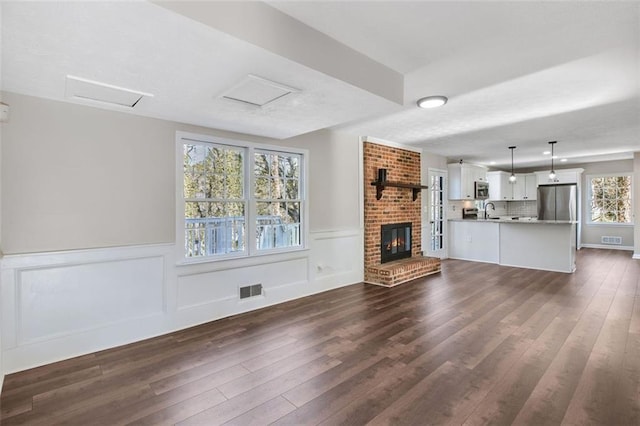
(545,244)
(523,220)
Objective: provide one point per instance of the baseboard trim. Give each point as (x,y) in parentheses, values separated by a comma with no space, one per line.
(607,247)
(636,256)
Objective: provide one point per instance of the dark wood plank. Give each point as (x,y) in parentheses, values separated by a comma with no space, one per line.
(475,344)
(264,414)
(260,394)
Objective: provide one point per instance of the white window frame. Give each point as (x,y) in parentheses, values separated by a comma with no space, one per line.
(589,177)
(251,210)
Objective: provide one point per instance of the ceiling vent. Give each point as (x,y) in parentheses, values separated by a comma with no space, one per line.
(257,91)
(83,89)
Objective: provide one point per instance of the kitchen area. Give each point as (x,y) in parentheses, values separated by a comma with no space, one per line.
(531,220)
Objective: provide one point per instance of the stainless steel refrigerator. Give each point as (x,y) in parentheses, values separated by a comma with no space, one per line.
(557,202)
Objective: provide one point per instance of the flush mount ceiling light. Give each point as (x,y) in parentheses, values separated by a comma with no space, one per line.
(432,101)
(552,174)
(512,178)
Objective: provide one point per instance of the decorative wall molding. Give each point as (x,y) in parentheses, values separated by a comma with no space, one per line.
(63,304)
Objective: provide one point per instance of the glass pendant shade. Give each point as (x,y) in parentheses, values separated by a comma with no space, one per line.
(512,178)
(552,174)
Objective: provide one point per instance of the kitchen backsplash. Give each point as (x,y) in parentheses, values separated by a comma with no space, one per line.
(454,208)
(503,208)
(522,208)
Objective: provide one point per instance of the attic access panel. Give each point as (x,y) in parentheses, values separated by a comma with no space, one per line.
(257,91)
(83,89)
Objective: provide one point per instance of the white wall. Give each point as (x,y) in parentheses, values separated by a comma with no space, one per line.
(78,177)
(636,203)
(591,234)
(89,233)
(334,186)
(1,99)
(433,161)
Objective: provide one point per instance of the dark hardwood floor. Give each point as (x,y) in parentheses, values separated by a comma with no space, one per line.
(476,344)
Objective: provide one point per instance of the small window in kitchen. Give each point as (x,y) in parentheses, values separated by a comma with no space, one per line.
(610,199)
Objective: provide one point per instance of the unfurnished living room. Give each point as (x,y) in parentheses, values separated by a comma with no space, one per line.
(319,212)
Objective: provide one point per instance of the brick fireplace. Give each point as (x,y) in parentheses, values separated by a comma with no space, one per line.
(395,207)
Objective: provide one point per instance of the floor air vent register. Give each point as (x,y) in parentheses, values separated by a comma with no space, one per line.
(250,291)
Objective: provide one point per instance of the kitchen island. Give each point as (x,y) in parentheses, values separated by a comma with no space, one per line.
(536,244)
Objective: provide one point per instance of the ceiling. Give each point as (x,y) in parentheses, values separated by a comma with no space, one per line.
(516,73)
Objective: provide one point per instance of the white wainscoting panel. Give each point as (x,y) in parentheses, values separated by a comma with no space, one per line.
(206,296)
(59,305)
(337,257)
(56,301)
(70,303)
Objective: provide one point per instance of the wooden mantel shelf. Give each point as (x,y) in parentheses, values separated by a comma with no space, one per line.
(380,186)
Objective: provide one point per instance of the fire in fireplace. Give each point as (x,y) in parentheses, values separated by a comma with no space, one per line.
(395,241)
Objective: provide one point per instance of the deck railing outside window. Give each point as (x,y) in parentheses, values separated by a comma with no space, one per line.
(209,236)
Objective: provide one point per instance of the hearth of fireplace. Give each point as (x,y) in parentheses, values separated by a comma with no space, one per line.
(395,241)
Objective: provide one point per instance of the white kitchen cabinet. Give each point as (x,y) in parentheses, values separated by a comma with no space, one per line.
(462,178)
(479,173)
(562,176)
(500,189)
(474,240)
(525,187)
(546,245)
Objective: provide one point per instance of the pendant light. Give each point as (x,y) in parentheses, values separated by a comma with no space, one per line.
(512,178)
(552,175)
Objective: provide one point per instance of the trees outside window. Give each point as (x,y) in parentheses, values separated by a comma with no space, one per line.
(278,201)
(214,202)
(610,199)
(240,200)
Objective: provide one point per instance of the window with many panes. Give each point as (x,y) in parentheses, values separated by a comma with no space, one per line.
(278,200)
(610,199)
(239,200)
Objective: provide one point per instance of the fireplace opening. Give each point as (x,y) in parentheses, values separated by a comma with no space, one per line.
(395,241)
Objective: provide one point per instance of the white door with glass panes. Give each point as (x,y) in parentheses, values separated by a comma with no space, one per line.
(435,225)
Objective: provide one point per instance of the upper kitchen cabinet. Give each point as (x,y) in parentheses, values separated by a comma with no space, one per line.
(462,178)
(562,176)
(525,187)
(500,189)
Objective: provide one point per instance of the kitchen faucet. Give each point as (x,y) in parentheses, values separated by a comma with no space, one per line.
(487,205)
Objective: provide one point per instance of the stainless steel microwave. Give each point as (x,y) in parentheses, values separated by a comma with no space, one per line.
(481,190)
